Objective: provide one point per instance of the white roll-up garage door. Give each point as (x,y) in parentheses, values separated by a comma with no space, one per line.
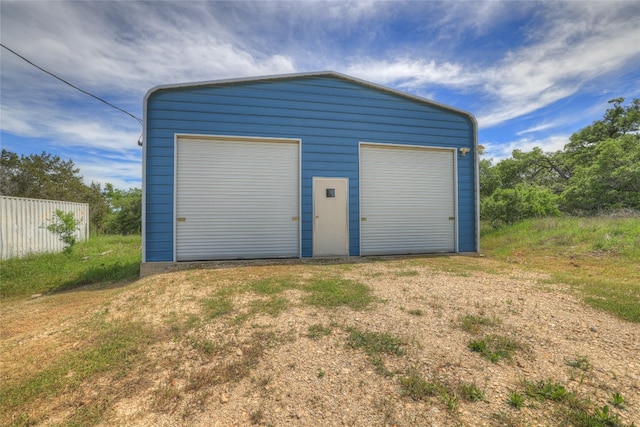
(407,200)
(236,198)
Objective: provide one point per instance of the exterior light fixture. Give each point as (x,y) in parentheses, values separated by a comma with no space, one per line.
(464,151)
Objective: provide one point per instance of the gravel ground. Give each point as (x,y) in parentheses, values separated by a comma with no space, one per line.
(268,370)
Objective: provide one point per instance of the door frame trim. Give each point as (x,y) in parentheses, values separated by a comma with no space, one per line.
(313,211)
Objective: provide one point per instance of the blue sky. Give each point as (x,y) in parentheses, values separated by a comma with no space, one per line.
(531,72)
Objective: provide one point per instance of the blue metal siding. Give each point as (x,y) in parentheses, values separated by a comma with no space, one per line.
(466,203)
(328,114)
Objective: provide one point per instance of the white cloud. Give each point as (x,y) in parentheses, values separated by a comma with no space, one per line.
(132,46)
(122,174)
(71,127)
(576,44)
(118,50)
(540,127)
(412,73)
(13,121)
(456,19)
(87,134)
(502,150)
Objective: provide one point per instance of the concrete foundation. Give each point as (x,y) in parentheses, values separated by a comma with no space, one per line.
(151,268)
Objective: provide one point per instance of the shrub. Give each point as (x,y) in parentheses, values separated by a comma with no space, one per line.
(65,226)
(510,205)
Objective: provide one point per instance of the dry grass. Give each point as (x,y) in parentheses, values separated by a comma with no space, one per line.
(301,345)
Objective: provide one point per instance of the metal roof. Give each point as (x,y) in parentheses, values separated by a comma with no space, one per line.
(303,75)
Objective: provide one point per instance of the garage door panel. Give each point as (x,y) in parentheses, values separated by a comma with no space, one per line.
(407,200)
(238,198)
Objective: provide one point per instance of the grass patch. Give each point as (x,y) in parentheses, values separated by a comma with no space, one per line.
(100,259)
(617,400)
(407,273)
(504,419)
(273,285)
(374,342)
(317,331)
(580,414)
(579,362)
(515,400)
(320,292)
(206,347)
(215,307)
(380,367)
(570,408)
(547,390)
(475,324)
(238,368)
(116,348)
(324,293)
(495,347)
(471,392)
(599,417)
(598,256)
(332,293)
(272,306)
(581,235)
(89,414)
(453,265)
(417,388)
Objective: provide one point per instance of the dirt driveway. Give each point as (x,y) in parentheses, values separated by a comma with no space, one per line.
(428,342)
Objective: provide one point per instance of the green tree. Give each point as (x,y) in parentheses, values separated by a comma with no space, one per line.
(41,176)
(605,162)
(98,207)
(611,180)
(46,176)
(598,170)
(490,179)
(618,121)
(534,168)
(126,210)
(9,168)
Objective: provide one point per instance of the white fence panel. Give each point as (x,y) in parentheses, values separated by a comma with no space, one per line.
(24,223)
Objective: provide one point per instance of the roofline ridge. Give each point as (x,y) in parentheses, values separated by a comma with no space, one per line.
(302,75)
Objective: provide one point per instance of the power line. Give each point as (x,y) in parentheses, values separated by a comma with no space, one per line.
(70,84)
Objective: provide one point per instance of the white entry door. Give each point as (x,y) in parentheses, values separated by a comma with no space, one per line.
(331,217)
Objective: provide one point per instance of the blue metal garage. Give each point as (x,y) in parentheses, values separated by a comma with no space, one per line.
(304,165)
